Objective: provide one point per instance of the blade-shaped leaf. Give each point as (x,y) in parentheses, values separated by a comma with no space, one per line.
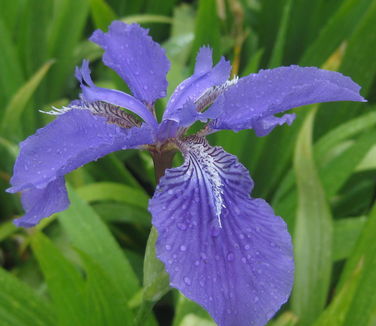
(89,234)
(20,306)
(313,233)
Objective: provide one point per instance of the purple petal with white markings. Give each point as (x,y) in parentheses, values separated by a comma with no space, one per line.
(222,248)
(260,96)
(92,93)
(140,61)
(73,139)
(204,77)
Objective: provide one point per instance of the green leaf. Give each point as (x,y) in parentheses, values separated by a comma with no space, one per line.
(277,54)
(20,306)
(207,16)
(193,320)
(101,191)
(106,303)
(186,307)
(344,131)
(123,213)
(335,314)
(359,64)
(345,236)
(89,234)
(338,170)
(102,14)
(363,305)
(338,28)
(13,111)
(253,64)
(285,319)
(7,229)
(64,282)
(142,19)
(11,77)
(313,233)
(61,47)
(156,280)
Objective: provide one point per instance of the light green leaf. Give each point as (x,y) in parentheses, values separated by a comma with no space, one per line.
(186,307)
(20,306)
(102,13)
(101,191)
(13,111)
(106,303)
(207,16)
(335,314)
(363,305)
(64,282)
(141,19)
(156,280)
(346,234)
(193,320)
(89,234)
(313,233)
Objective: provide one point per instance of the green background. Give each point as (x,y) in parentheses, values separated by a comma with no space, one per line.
(91,265)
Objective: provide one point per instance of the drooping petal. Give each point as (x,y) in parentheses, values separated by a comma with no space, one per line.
(70,141)
(43,202)
(204,77)
(222,248)
(92,93)
(140,61)
(259,96)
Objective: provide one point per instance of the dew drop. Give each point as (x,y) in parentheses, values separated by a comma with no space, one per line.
(145,87)
(183,248)
(197,262)
(168,247)
(256,299)
(244,260)
(170,192)
(187,280)
(247,247)
(230,256)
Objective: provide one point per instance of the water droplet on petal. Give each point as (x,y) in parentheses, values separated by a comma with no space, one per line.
(187,280)
(247,247)
(168,247)
(256,299)
(183,248)
(230,256)
(244,260)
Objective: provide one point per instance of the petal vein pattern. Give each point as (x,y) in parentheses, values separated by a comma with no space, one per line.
(241,271)
(73,139)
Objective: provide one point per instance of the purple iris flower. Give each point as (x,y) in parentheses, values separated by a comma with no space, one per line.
(222,248)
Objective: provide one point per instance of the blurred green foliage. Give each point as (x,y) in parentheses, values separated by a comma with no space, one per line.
(86,265)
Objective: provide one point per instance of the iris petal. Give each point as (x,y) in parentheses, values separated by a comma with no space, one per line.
(204,77)
(140,61)
(222,248)
(70,141)
(260,96)
(92,93)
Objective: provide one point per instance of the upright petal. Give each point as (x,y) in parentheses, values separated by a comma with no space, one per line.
(254,100)
(222,248)
(92,93)
(140,61)
(70,141)
(205,76)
